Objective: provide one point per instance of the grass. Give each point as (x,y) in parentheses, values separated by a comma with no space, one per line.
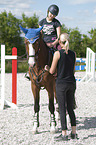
(22,66)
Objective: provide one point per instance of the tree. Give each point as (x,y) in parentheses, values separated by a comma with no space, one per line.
(75,42)
(93,39)
(64,29)
(30,22)
(86,42)
(10,32)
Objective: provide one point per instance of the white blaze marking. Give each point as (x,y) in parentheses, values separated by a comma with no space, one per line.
(31,52)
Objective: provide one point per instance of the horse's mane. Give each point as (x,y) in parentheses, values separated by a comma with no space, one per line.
(41,36)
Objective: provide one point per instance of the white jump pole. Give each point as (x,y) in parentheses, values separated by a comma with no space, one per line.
(3,101)
(2,77)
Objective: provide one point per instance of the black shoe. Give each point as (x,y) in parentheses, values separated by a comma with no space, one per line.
(61,138)
(73,136)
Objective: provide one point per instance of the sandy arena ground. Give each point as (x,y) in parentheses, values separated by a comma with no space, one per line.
(16,125)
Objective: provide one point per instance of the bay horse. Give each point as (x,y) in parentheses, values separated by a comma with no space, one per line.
(40,55)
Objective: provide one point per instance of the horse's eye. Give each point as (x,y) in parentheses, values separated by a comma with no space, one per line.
(37,42)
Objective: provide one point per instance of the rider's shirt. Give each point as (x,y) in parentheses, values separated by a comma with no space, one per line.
(49,29)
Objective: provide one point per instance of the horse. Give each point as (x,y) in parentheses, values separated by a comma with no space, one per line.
(39,55)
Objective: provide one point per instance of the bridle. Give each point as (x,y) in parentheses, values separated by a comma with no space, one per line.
(31,68)
(36,54)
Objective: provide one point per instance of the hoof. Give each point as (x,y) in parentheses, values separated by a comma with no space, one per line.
(52,123)
(52,130)
(57,130)
(57,116)
(34,131)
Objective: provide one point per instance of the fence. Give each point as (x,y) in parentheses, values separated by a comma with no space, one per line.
(80,67)
(90,73)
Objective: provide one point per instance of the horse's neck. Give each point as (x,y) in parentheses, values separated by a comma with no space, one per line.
(43,54)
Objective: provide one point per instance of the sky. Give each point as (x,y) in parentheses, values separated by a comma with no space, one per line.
(72,13)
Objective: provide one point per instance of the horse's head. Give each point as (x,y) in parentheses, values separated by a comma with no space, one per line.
(32,35)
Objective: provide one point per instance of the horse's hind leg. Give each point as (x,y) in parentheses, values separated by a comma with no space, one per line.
(57,114)
(35,91)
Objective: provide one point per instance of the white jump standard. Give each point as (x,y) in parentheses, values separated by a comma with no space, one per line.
(90,66)
(3,101)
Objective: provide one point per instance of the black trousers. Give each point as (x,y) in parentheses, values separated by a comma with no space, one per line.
(65,97)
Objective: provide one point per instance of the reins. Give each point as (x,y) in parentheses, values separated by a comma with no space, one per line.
(31,69)
(37,81)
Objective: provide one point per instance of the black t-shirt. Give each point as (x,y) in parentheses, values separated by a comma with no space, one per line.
(49,29)
(65,67)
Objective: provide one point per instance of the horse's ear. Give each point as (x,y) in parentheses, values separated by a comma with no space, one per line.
(23,29)
(26,41)
(41,36)
(39,29)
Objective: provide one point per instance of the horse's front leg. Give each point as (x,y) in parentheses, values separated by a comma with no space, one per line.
(35,91)
(52,115)
(57,115)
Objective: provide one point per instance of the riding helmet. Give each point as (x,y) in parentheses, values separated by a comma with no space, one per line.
(53,9)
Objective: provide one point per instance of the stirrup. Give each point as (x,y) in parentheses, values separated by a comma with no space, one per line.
(26,76)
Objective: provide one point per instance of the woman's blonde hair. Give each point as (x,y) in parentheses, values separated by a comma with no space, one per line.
(64,38)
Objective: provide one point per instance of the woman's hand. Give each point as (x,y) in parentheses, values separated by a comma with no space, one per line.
(46,67)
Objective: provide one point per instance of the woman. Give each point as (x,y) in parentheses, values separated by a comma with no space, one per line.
(64,61)
(51,27)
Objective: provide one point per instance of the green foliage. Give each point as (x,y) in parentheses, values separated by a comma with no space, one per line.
(79,42)
(64,29)
(93,39)
(86,41)
(30,22)
(75,42)
(9,31)
(10,35)
(22,66)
